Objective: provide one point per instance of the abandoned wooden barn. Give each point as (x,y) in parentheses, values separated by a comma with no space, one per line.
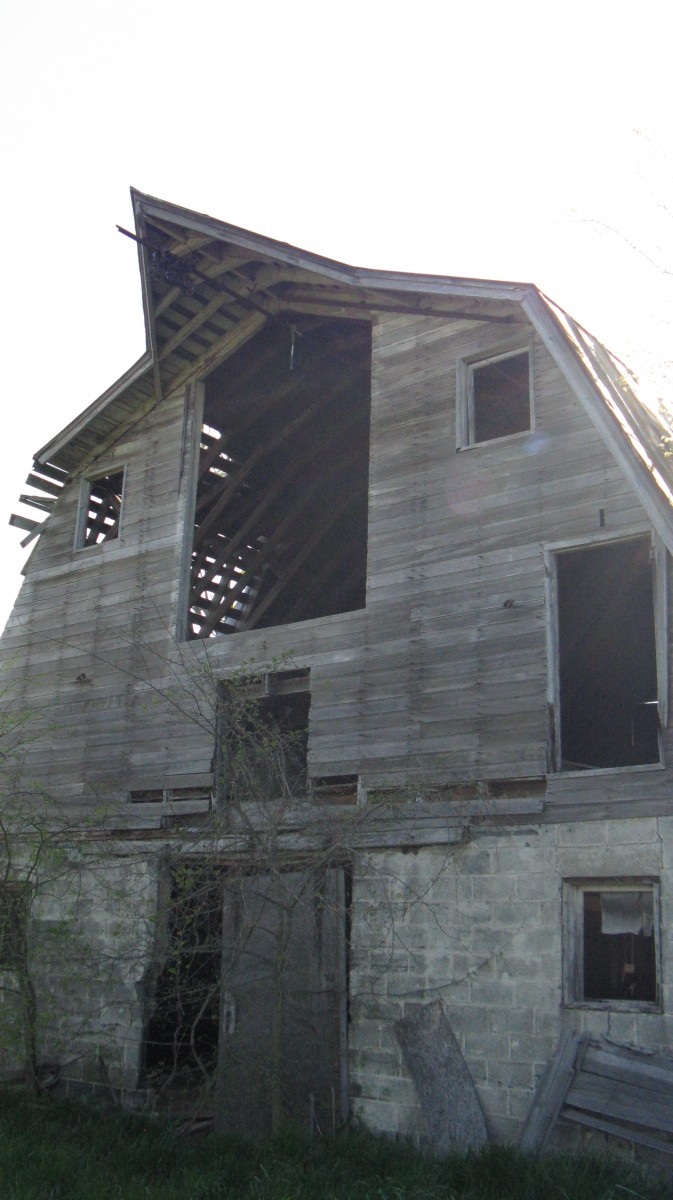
(419,529)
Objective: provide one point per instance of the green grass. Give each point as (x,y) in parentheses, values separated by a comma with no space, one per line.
(53,1151)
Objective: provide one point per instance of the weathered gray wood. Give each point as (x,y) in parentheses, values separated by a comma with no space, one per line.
(419,683)
(621,1101)
(601,1086)
(283,982)
(454,1121)
(551,1092)
(626,1133)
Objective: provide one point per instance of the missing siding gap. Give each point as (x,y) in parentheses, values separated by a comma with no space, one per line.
(336,789)
(601,518)
(169,795)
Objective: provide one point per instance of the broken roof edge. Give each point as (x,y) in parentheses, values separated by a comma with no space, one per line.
(285,252)
(630,436)
(145,206)
(626,424)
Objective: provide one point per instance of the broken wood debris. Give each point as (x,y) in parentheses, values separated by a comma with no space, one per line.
(622,1091)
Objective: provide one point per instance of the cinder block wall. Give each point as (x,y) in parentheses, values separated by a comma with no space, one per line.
(480,926)
(92,930)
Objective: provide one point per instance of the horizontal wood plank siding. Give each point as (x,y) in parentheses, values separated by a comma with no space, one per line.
(442,677)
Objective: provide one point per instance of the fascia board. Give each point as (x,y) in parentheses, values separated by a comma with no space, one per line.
(342,273)
(139,368)
(629,455)
(146,290)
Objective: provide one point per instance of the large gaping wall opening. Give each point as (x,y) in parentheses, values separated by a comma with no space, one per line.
(280,530)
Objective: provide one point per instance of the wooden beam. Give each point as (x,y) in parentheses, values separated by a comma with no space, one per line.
(369,303)
(19,522)
(231,341)
(551,1093)
(44,485)
(37,502)
(190,327)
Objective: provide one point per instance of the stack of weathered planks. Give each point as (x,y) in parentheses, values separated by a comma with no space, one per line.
(613,1089)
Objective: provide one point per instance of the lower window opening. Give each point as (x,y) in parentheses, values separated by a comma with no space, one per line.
(619,955)
(611,943)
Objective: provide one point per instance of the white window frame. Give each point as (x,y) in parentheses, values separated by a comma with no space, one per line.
(658,553)
(83,507)
(573,941)
(466,368)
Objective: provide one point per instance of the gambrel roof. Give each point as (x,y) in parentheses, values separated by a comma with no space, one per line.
(209,287)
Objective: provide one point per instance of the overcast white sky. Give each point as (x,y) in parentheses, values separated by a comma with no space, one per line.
(478,139)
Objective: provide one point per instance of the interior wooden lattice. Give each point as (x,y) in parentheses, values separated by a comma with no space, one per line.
(280,529)
(103,509)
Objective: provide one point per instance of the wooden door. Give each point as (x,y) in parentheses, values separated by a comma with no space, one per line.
(282,1046)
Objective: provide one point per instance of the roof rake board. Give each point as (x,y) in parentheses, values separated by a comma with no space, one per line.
(280,528)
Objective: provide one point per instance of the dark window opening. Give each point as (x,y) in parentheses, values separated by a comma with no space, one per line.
(619,955)
(263,746)
(500,397)
(13,925)
(280,529)
(609,715)
(103,509)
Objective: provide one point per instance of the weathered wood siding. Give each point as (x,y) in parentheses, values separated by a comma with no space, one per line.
(436,681)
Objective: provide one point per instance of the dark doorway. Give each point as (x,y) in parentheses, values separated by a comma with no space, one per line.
(609,715)
(183,1029)
(249,1009)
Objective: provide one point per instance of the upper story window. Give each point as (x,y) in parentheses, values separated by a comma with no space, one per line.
(100,510)
(494,397)
(607,654)
(280,518)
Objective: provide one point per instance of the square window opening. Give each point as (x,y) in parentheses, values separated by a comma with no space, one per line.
(101,510)
(607,712)
(498,397)
(612,943)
